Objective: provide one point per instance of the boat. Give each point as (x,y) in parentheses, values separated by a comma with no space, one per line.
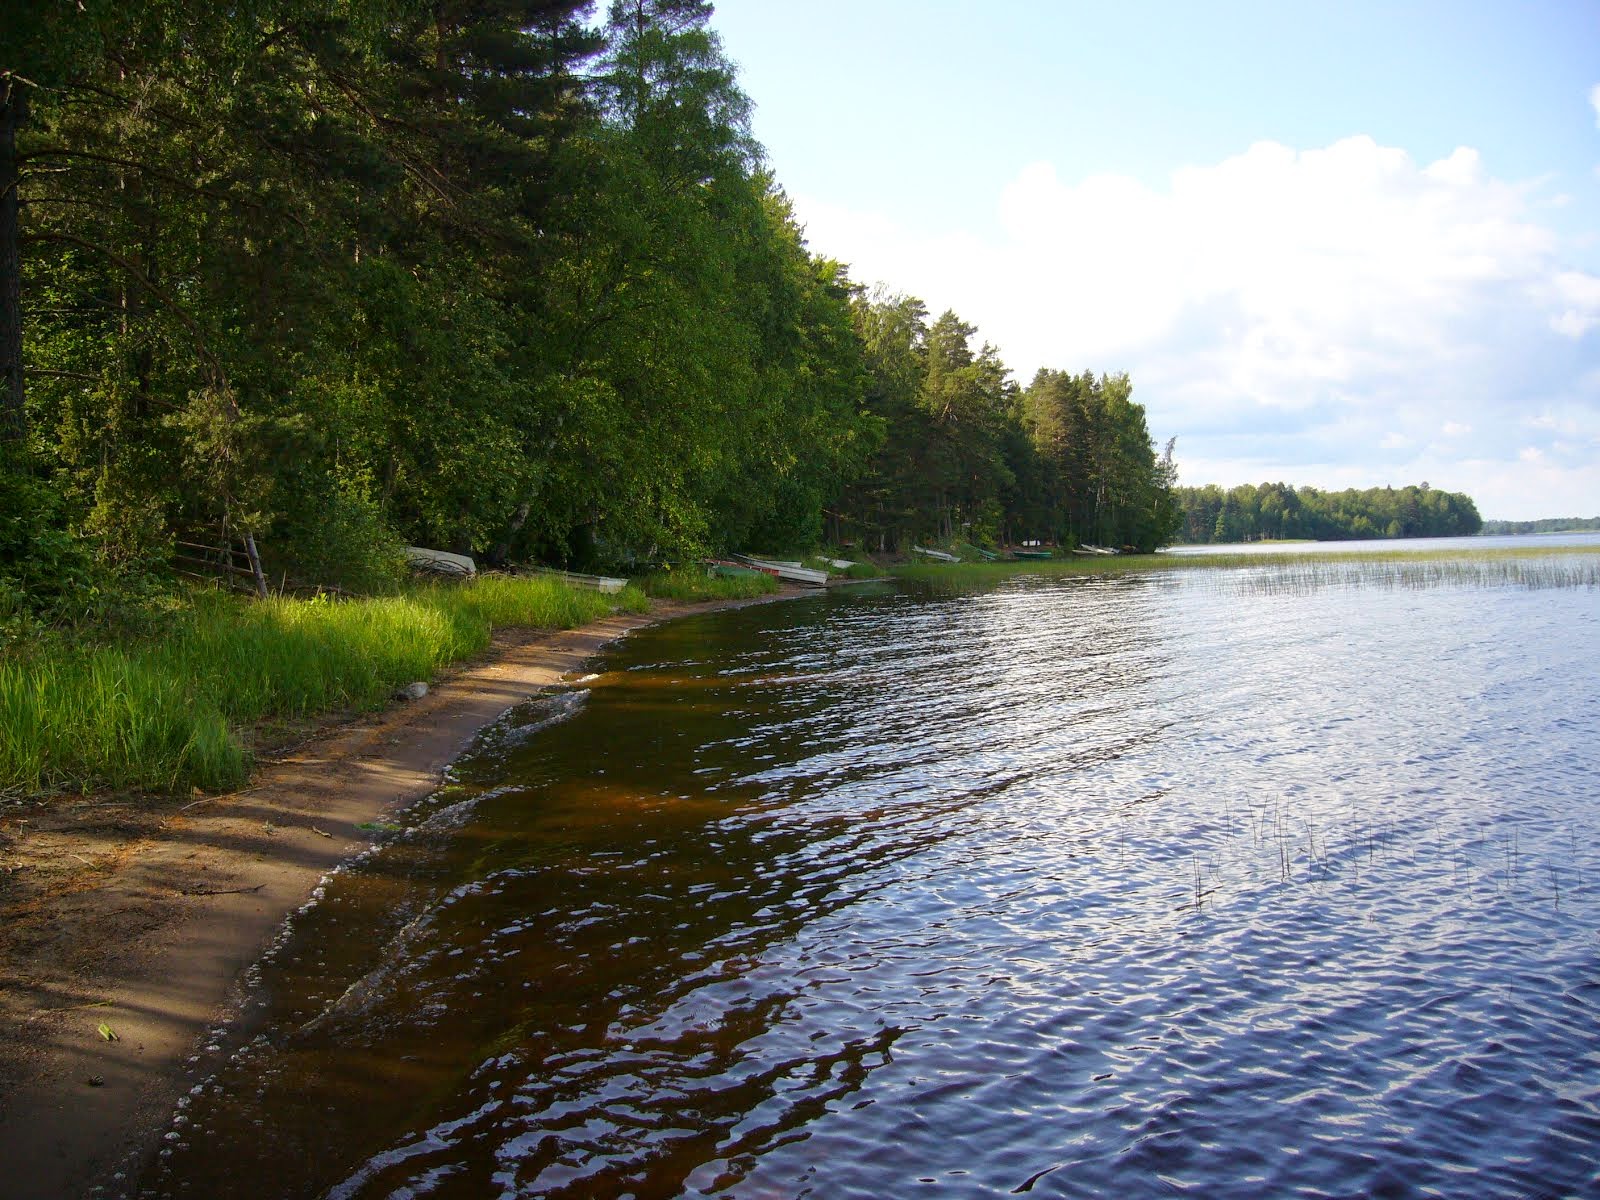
(717,566)
(840,564)
(1033,554)
(1087,549)
(785,570)
(936,555)
(440,562)
(594,583)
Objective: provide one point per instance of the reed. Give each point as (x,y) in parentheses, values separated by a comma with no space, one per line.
(1295,571)
(164,713)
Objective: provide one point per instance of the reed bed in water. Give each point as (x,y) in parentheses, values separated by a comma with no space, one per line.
(1528,567)
(1388,574)
(164,713)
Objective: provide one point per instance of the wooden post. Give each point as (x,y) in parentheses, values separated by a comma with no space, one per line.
(255,564)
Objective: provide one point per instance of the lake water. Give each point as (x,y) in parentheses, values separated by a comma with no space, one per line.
(1089,886)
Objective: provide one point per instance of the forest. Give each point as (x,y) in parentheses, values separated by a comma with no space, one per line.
(508,277)
(1250,513)
(1545,525)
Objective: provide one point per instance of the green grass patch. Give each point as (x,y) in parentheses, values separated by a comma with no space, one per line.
(863,570)
(163,713)
(695,583)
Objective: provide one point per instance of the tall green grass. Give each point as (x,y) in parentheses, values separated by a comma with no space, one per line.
(163,713)
(693,583)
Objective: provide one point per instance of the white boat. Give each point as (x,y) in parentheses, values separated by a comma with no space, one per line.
(595,583)
(793,572)
(440,562)
(840,564)
(936,555)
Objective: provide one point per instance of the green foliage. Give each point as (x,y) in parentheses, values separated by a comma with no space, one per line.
(484,278)
(44,571)
(348,546)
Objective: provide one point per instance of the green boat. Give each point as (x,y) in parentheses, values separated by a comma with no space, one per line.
(1033,554)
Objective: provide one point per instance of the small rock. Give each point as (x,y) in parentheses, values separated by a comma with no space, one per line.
(96,1081)
(412,691)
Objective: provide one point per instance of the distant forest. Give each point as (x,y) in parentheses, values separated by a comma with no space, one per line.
(334,276)
(1547,525)
(1250,513)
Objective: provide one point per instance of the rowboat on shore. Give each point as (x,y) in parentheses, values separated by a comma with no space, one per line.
(1033,554)
(936,555)
(440,562)
(785,570)
(594,583)
(732,570)
(1101,550)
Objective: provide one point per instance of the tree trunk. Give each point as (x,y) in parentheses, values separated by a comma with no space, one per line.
(13,416)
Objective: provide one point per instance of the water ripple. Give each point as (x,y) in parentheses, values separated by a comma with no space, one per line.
(1074,888)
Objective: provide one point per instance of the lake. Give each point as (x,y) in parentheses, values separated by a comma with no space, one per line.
(1204,880)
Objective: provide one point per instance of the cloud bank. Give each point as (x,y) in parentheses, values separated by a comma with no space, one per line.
(1341,316)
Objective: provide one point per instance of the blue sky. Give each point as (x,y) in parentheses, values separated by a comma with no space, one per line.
(1341,245)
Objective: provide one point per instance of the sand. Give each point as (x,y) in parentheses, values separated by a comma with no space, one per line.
(140,916)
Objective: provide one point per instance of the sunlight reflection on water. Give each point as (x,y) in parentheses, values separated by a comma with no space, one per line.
(1077,887)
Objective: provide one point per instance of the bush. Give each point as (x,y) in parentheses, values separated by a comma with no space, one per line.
(346,545)
(45,572)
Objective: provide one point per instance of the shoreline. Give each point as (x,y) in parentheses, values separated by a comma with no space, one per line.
(150,940)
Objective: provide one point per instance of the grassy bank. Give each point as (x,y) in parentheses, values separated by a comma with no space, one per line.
(693,584)
(164,713)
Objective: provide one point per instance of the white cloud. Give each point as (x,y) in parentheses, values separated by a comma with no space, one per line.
(1580,294)
(1594,102)
(1285,312)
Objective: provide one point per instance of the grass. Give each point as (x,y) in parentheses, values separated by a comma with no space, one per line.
(693,583)
(165,713)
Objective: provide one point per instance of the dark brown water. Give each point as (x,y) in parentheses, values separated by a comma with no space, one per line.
(1076,888)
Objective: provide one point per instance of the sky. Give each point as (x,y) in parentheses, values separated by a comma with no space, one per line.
(1343,245)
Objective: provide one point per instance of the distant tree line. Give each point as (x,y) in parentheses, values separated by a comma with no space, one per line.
(346,274)
(1250,513)
(1545,525)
